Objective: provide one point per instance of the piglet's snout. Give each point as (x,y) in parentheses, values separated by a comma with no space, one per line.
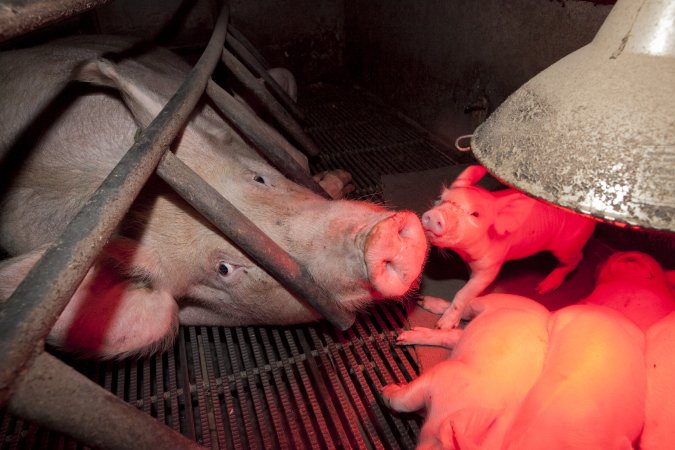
(394,253)
(434,222)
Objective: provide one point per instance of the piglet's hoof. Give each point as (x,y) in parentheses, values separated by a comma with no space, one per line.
(433,304)
(390,391)
(449,320)
(337,183)
(416,336)
(412,336)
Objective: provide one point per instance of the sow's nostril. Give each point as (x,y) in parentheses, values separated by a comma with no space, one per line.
(394,253)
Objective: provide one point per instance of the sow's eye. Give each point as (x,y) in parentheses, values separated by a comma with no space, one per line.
(227,270)
(259,179)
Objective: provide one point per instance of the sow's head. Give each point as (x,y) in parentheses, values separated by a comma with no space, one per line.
(167,264)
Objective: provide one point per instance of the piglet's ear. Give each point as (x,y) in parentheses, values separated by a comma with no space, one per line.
(512,211)
(470,176)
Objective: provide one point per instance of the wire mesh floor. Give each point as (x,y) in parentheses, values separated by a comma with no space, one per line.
(296,387)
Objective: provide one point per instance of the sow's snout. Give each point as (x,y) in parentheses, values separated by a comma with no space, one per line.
(395,251)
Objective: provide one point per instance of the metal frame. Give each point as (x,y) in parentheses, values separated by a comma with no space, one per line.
(241,47)
(270,143)
(37,386)
(273,106)
(20,17)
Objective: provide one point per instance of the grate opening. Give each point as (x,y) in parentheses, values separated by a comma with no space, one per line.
(301,387)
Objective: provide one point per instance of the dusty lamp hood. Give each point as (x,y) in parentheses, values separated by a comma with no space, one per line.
(595,132)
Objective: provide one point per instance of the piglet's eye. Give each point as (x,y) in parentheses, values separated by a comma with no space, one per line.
(475,214)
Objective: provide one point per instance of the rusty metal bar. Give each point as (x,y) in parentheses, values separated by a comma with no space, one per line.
(31,311)
(250,239)
(272,105)
(265,138)
(243,54)
(234,31)
(56,396)
(20,17)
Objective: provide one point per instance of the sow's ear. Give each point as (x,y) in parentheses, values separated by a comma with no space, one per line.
(470,176)
(109,315)
(512,211)
(143,103)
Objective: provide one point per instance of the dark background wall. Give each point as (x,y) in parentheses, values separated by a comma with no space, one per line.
(433,58)
(306,36)
(430,58)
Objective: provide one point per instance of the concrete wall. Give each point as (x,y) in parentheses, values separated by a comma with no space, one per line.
(432,58)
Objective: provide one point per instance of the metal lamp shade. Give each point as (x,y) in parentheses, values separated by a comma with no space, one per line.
(595,132)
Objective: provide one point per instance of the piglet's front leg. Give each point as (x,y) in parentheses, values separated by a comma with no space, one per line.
(479,280)
(429,336)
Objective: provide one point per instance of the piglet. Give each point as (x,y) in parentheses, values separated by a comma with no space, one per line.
(659,429)
(591,391)
(487,228)
(634,284)
(494,361)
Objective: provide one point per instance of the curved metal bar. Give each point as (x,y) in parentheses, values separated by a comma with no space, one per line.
(31,311)
(251,239)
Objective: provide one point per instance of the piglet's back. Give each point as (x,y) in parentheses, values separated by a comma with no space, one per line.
(591,392)
(659,432)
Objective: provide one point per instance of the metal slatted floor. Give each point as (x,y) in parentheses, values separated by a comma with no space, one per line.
(302,387)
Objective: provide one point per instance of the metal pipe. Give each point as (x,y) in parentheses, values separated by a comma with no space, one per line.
(272,105)
(243,54)
(275,148)
(31,311)
(58,397)
(234,31)
(21,17)
(250,239)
